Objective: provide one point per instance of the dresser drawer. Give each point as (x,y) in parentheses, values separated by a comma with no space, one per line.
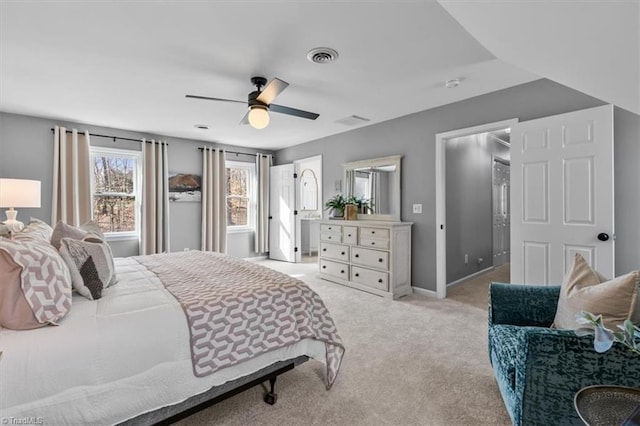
(334,251)
(327,229)
(381,243)
(335,269)
(374,232)
(328,236)
(350,234)
(367,257)
(375,279)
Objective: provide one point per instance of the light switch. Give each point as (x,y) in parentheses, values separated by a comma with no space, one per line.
(417,208)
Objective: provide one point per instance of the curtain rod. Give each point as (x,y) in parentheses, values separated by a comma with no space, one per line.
(109,137)
(238,153)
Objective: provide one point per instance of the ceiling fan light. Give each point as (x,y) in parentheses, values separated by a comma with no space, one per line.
(258,117)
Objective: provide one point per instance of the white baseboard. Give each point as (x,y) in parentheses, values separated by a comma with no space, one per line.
(423,291)
(468,277)
(257,258)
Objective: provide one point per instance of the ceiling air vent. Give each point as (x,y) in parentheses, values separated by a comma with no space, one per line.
(353,120)
(322,55)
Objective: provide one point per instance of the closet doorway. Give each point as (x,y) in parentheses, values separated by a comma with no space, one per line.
(472,207)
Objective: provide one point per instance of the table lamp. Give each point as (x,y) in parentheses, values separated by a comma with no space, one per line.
(18,193)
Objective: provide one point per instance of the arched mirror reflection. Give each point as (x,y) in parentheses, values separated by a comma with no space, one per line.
(308,190)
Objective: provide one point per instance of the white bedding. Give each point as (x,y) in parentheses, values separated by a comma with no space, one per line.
(113,359)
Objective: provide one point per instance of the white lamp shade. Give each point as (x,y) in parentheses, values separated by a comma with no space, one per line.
(19,193)
(258,117)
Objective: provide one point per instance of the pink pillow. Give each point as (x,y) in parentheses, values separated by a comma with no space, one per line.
(35,285)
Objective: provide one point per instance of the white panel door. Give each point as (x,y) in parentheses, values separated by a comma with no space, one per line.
(282,231)
(501,212)
(562,195)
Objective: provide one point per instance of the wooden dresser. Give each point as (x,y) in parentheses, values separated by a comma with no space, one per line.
(373,256)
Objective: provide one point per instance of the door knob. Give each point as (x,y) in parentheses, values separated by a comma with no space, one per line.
(603,236)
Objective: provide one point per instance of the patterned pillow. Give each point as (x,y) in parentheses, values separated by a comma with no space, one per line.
(35,287)
(36,230)
(63,230)
(583,290)
(91,266)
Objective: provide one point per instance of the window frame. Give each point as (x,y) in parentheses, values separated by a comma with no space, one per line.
(251,195)
(137,187)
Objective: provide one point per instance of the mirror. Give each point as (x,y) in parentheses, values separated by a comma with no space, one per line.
(377,182)
(308,190)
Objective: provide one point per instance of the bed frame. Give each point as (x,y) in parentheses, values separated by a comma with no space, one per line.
(173,413)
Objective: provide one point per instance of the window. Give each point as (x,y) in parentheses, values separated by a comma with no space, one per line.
(115,196)
(240,196)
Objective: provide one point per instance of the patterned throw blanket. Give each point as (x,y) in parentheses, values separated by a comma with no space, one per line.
(237,310)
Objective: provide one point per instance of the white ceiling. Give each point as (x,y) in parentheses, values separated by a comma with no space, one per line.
(128,65)
(591,46)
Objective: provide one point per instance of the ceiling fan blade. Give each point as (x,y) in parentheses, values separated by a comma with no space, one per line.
(206,98)
(245,119)
(292,111)
(271,90)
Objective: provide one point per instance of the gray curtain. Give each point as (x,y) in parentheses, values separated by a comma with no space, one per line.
(214,200)
(155,197)
(71,198)
(261,241)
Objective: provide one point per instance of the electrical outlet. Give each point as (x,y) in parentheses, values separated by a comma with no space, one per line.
(417,208)
(186,249)
(466,259)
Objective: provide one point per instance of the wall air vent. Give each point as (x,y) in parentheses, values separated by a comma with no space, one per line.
(353,120)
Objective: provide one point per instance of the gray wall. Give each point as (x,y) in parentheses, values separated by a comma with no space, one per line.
(469,165)
(413,136)
(26,151)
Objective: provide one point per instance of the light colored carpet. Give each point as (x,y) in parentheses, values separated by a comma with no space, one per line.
(415,361)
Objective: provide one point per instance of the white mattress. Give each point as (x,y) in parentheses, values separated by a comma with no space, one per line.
(112,359)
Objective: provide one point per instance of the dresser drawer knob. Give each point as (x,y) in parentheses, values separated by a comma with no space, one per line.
(348,235)
(380,260)
(357,274)
(373,243)
(373,232)
(324,266)
(324,249)
(357,255)
(380,280)
(342,271)
(342,253)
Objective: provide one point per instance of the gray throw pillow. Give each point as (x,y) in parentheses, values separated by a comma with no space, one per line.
(91,266)
(63,230)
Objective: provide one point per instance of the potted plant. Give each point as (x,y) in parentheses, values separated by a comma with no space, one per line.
(336,204)
(361,203)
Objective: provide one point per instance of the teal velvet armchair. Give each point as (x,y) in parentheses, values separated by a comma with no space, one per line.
(539,369)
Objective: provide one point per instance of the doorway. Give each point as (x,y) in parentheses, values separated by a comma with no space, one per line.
(308,207)
(464,188)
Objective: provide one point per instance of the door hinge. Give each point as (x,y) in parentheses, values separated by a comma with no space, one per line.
(295,176)
(295,212)
(295,249)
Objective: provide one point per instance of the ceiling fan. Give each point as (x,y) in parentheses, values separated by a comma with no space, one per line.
(259,102)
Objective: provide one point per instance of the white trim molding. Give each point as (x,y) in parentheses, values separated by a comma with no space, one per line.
(423,291)
(441,213)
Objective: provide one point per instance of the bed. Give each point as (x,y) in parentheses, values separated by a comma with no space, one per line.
(131,356)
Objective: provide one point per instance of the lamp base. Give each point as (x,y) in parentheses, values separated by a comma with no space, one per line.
(11,222)
(14,225)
